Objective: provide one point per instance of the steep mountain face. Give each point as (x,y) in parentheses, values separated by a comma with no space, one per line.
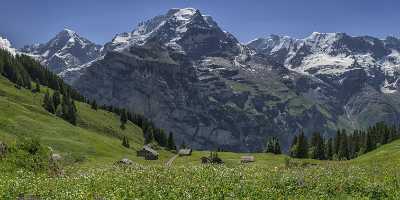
(186,74)
(362,72)
(66,50)
(196,80)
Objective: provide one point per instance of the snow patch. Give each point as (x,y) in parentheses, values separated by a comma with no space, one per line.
(6,45)
(325,64)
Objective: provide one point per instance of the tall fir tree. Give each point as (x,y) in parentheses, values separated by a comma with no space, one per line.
(123,118)
(317,146)
(93,105)
(343,153)
(329,149)
(293,147)
(48,103)
(37,86)
(125,142)
(171,142)
(302,145)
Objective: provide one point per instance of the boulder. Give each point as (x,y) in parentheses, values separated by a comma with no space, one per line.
(55,157)
(125,161)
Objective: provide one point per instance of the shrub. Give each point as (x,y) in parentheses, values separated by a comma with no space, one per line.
(30,154)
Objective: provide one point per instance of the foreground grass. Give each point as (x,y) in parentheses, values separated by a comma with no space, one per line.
(271,177)
(332,181)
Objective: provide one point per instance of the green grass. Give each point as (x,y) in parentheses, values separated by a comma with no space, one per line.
(267,178)
(96,137)
(375,175)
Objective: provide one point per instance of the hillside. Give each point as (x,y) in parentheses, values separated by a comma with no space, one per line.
(95,139)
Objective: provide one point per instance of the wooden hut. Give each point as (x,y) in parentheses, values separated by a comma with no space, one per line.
(185,152)
(148,153)
(246,159)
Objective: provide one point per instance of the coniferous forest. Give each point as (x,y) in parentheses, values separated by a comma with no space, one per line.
(344,145)
(25,72)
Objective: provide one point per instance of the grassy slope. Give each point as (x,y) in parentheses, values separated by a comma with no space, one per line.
(386,155)
(95,137)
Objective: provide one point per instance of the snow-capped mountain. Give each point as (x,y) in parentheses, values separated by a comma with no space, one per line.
(185,30)
(190,77)
(334,54)
(66,50)
(6,45)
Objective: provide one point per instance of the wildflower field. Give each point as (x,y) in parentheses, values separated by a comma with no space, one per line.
(334,181)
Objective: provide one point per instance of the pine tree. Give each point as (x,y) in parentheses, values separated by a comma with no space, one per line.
(317,146)
(277,147)
(93,105)
(171,142)
(37,87)
(125,142)
(163,140)
(48,103)
(123,118)
(68,109)
(302,145)
(293,147)
(72,113)
(343,147)
(148,135)
(336,142)
(329,149)
(273,146)
(56,99)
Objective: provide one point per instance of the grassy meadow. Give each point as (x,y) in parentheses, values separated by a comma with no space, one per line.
(91,148)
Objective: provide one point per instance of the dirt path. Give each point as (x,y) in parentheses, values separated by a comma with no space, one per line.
(169,162)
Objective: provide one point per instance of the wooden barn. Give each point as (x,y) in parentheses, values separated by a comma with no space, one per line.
(185,152)
(246,159)
(148,153)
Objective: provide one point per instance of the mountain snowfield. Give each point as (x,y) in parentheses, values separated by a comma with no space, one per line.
(66,50)
(335,54)
(6,45)
(191,77)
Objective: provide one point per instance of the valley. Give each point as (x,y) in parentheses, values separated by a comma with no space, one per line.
(179,108)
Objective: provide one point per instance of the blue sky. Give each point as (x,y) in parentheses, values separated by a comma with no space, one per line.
(26,22)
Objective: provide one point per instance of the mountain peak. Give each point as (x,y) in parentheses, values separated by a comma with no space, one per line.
(67,33)
(179,28)
(6,45)
(65,50)
(182,13)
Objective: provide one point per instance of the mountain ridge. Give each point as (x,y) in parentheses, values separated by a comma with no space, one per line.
(66,50)
(189,76)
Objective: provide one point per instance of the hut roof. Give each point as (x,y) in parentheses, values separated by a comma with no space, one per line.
(184,151)
(149,149)
(247,158)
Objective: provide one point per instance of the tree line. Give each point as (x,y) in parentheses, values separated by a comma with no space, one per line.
(22,70)
(343,146)
(151,133)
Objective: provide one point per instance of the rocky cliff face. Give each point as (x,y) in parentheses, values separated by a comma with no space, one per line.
(66,50)
(190,77)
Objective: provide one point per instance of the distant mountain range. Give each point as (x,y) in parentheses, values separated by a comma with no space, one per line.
(189,76)
(66,50)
